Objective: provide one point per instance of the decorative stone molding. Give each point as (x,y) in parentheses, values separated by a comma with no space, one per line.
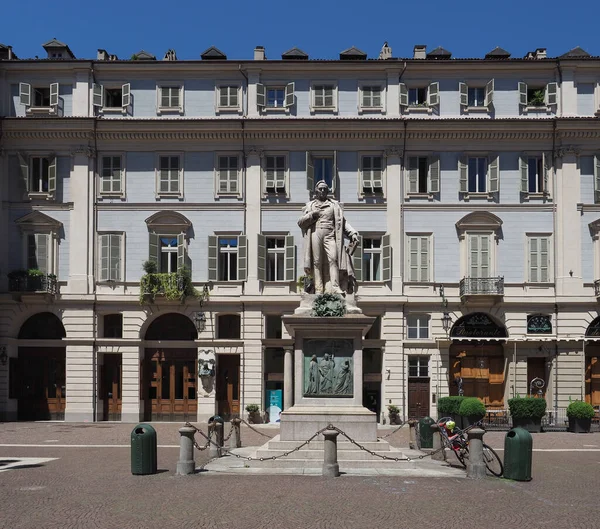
(255,151)
(479,220)
(86,150)
(393,151)
(567,150)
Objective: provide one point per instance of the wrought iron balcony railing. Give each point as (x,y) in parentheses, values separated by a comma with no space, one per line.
(482,286)
(45,283)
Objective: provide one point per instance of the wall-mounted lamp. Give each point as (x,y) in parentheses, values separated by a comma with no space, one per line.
(200,321)
(388,372)
(446,321)
(3,355)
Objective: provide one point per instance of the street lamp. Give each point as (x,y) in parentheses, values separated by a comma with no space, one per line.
(200,321)
(446,321)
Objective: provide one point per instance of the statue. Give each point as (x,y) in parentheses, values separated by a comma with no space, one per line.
(326,258)
(326,367)
(313,377)
(344,380)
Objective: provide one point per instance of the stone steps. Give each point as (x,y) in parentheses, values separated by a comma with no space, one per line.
(373,462)
(343,455)
(376,446)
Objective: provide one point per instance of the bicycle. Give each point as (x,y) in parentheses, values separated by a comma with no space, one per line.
(457,441)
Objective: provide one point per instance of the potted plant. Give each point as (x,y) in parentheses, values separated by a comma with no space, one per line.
(394,414)
(253,413)
(472,410)
(527,412)
(580,416)
(449,407)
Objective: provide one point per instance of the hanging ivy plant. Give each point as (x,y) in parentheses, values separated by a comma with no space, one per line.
(175,286)
(329,305)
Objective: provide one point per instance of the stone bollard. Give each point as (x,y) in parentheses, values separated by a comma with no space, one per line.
(331,468)
(476,464)
(235,441)
(216,439)
(439,453)
(412,443)
(186,464)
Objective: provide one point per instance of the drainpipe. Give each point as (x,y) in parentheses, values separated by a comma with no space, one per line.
(92,264)
(514,388)
(556,363)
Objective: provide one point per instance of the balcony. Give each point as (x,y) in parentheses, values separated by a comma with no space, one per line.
(20,281)
(170,286)
(483,287)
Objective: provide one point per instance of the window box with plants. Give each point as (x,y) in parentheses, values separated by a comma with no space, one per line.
(580,416)
(449,407)
(32,280)
(253,413)
(472,410)
(174,286)
(394,414)
(527,412)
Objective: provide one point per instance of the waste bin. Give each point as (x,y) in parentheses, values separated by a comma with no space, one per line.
(425,432)
(143,450)
(518,452)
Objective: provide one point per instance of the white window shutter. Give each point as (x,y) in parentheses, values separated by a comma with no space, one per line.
(494,174)
(474,256)
(413,258)
(551,94)
(290,258)
(464,94)
(261,97)
(434,174)
(386,253)
(52,175)
(424,258)
(524,167)
(523,94)
(357,259)
(54,95)
(269,173)
(98,95)
(180,251)
(24,165)
(463,174)
(403,95)
(485,256)
(126,95)
(261,267)
(366,172)
(42,249)
(544,261)
(310,172)
(433,94)
(280,176)
(533,260)
(213,258)
(489,93)
(377,168)
(154,249)
(242,258)
(115,257)
(25,94)
(413,174)
(104,243)
(597,178)
(289,95)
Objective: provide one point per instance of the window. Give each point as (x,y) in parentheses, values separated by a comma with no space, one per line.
(170,98)
(321,166)
(324,96)
(110,256)
(539,259)
(479,256)
(372,259)
(276,258)
(114,98)
(39,252)
(38,174)
(39,97)
(113,325)
(418,329)
(227,174)
(423,174)
(229,327)
(539,324)
(372,174)
(534,174)
(274,97)
(419,258)
(111,179)
(478,174)
(168,251)
(227,258)
(228,97)
(474,97)
(419,96)
(418,366)
(597,178)
(275,173)
(168,254)
(273,326)
(169,175)
(371,97)
(538,96)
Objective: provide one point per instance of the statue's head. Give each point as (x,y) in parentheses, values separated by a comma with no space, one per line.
(326,356)
(322,189)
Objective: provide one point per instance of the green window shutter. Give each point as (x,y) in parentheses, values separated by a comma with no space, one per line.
(180,251)
(523,94)
(290,258)
(386,251)
(54,95)
(126,95)
(52,175)
(310,172)
(464,94)
(544,261)
(154,249)
(413,174)
(42,252)
(115,257)
(463,174)
(485,256)
(261,97)
(494,174)
(98,95)
(25,94)
(403,95)
(434,174)
(474,255)
(524,166)
(597,178)
(433,94)
(551,94)
(213,258)
(489,93)
(261,271)
(104,243)
(424,258)
(357,259)
(242,258)
(289,95)
(413,258)
(533,260)
(24,165)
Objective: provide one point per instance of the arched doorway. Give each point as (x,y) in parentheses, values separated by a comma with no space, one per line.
(37,375)
(592,364)
(477,362)
(170,374)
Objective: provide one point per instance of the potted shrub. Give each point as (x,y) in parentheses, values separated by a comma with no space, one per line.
(527,412)
(472,410)
(580,416)
(253,413)
(449,407)
(394,414)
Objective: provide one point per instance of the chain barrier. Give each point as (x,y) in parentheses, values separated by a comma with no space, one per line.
(254,429)
(393,431)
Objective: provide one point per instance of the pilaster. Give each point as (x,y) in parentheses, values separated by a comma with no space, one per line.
(394,197)
(253,216)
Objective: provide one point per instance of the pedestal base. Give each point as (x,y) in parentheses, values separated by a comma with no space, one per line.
(307,301)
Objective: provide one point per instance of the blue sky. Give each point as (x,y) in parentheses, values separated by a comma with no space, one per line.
(322,29)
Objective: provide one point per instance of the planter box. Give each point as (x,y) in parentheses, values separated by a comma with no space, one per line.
(580,425)
(394,418)
(528,423)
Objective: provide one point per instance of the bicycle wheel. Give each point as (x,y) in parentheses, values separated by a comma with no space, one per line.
(462,455)
(492,461)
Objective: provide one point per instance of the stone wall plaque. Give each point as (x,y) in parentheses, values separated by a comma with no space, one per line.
(328,368)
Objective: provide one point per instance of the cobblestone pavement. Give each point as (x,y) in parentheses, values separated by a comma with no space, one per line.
(90,487)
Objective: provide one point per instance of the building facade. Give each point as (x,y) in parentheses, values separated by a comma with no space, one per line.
(149,215)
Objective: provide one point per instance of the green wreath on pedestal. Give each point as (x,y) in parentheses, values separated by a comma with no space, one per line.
(329,305)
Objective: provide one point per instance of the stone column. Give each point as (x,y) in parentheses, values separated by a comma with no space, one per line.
(186,464)
(235,441)
(130,380)
(439,454)
(395,199)
(288,378)
(331,468)
(475,464)
(253,193)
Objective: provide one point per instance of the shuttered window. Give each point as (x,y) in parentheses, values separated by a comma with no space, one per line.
(419,250)
(539,259)
(110,257)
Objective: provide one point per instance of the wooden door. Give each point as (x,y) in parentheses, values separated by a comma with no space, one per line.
(111,387)
(228,386)
(592,380)
(536,368)
(418,398)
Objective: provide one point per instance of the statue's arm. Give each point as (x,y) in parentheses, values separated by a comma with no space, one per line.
(349,231)
(307,219)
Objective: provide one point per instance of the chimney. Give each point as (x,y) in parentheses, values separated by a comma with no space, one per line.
(386,52)
(420,51)
(102,55)
(259,53)
(540,53)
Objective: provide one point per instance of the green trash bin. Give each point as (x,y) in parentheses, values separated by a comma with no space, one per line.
(518,453)
(143,450)
(425,432)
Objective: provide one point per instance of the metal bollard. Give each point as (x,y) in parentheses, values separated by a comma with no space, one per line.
(439,453)
(186,464)
(216,439)
(475,464)
(235,441)
(331,468)
(412,443)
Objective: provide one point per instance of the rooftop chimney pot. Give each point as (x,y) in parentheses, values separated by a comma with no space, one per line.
(259,53)
(420,51)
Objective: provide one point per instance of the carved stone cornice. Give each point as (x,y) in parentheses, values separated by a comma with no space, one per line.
(253,150)
(567,150)
(86,150)
(393,151)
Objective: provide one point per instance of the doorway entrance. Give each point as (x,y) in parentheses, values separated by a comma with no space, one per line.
(110,391)
(536,368)
(228,386)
